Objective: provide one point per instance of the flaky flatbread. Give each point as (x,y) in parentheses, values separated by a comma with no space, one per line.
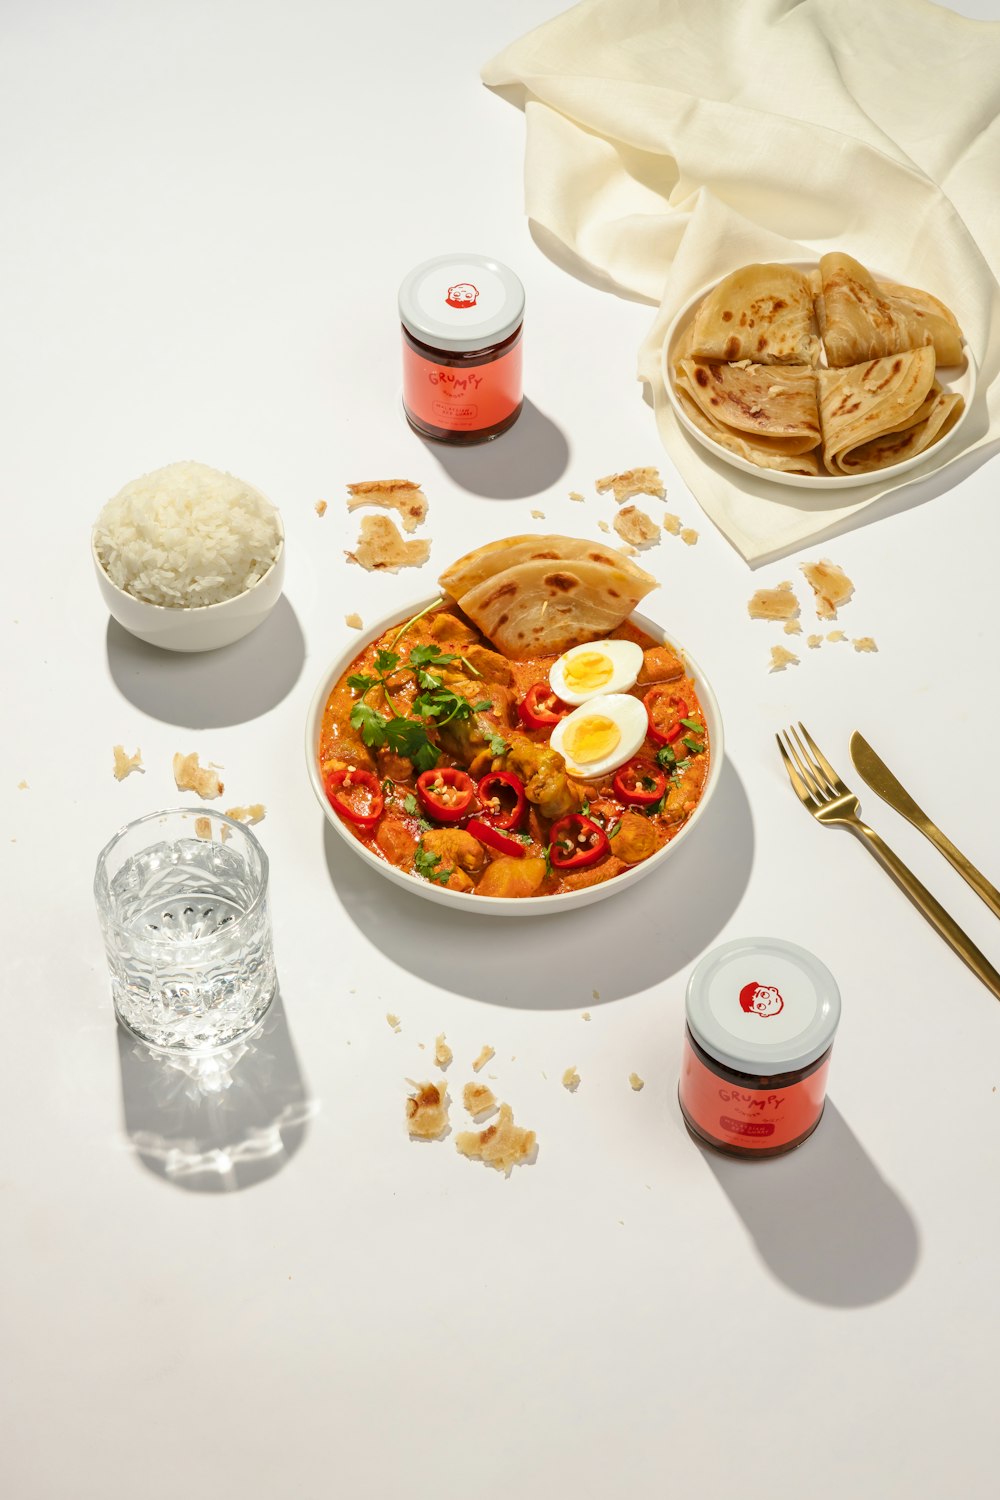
(760,312)
(935,418)
(859,320)
(541,607)
(870,401)
(776,403)
(495,557)
(754,450)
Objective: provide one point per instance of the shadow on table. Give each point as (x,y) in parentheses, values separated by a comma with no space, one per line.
(219,1122)
(209,689)
(526,460)
(823,1220)
(548,963)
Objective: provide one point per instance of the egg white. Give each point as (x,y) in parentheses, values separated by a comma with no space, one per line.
(626,664)
(628,713)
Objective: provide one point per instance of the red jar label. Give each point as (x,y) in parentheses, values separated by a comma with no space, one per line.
(749,1119)
(461,398)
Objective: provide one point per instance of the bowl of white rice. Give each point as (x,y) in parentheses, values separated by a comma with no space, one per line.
(189,558)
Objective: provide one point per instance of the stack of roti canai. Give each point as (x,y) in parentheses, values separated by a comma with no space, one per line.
(539,595)
(830,372)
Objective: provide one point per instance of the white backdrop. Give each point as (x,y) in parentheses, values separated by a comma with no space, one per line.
(267,1288)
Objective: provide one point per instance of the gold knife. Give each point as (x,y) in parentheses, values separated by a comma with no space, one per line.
(881,780)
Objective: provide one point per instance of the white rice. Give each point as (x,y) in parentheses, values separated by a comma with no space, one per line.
(186,536)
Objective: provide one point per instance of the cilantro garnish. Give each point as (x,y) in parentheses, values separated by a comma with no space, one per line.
(666,757)
(693,745)
(614,828)
(498,745)
(657,806)
(693,725)
(425,863)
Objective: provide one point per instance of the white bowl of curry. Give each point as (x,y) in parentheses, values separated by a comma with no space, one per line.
(431,840)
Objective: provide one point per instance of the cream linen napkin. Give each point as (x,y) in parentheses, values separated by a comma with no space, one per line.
(670,141)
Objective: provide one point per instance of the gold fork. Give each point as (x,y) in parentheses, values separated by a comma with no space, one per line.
(831,803)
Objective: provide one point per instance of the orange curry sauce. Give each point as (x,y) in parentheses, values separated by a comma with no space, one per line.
(405,831)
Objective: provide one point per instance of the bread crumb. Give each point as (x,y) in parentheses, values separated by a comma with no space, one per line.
(689,536)
(831,586)
(538,515)
(864,643)
(773,604)
(400,495)
(22,786)
(225,832)
(427,1111)
(634,526)
(442,1052)
(672,523)
(596,994)
(203,828)
(603,526)
(320,507)
(780,658)
(189,776)
(501,1145)
(631,482)
(792,627)
(354,621)
(571,1080)
(380,548)
(812,641)
(836,635)
(741,364)
(255,813)
(636,1082)
(478,1099)
(126,764)
(585,1016)
(393,1021)
(575,495)
(482,1059)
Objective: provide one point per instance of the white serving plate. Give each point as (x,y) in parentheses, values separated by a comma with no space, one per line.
(499,906)
(960,379)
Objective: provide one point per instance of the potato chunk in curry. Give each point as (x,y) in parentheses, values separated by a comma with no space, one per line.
(508,876)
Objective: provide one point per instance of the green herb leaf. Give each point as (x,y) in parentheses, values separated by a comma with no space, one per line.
(666,757)
(425,656)
(427,680)
(647,783)
(411,805)
(386,661)
(372,724)
(359,682)
(425,863)
(546,853)
(614,828)
(681,767)
(657,807)
(585,809)
(498,745)
(484,707)
(693,724)
(388,786)
(693,745)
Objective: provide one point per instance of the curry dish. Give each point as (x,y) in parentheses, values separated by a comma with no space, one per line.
(435,753)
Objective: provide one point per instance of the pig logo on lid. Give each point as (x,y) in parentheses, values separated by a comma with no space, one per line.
(462,294)
(761,1000)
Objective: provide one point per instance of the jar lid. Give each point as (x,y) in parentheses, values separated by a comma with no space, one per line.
(761,1005)
(461,302)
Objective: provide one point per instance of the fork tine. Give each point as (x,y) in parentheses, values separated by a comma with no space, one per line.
(831,775)
(825,785)
(805,769)
(798,785)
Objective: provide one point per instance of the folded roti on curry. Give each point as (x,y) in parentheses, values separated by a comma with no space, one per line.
(760,312)
(859,319)
(865,404)
(541,607)
(496,557)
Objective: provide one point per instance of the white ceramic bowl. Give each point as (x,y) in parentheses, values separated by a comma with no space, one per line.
(961,379)
(203,628)
(499,906)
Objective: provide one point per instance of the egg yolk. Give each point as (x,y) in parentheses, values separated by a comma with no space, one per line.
(592,738)
(588,671)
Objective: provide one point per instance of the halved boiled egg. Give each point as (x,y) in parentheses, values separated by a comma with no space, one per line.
(596,667)
(601,735)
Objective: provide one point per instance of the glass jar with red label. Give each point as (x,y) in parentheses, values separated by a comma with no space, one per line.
(761,1018)
(462,318)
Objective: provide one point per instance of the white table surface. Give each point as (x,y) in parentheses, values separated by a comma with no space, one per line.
(267,1289)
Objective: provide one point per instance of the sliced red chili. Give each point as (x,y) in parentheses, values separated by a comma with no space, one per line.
(665,712)
(488,833)
(446,793)
(640,783)
(540,708)
(502,799)
(356,796)
(575,842)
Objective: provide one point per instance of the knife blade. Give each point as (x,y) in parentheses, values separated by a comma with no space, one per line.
(873,769)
